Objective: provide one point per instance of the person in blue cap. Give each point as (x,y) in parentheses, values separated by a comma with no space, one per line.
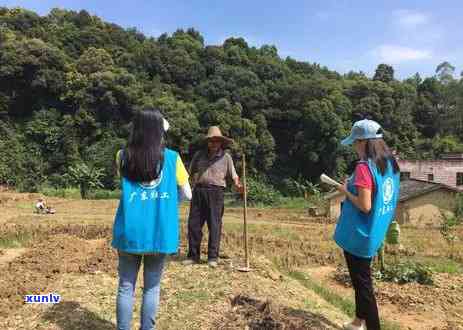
(371,196)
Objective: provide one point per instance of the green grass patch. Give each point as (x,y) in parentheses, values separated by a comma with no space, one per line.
(345,305)
(296,203)
(193,296)
(285,232)
(441,264)
(238,227)
(25,206)
(73,193)
(104,194)
(15,240)
(292,203)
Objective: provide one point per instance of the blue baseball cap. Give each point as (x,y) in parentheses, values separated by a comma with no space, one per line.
(363,129)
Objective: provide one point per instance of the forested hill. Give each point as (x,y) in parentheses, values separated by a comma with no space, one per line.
(69,83)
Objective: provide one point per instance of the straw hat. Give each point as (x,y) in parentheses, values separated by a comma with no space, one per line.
(214,133)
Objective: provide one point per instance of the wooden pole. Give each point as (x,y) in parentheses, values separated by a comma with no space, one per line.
(245,213)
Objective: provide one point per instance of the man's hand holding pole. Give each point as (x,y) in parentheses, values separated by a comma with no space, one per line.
(238,186)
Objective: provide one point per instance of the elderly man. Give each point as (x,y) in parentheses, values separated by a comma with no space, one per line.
(209,170)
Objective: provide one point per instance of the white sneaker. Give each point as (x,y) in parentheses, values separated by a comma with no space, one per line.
(350,326)
(213,264)
(189,262)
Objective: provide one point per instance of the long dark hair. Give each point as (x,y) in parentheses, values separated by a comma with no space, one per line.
(378,151)
(143,158)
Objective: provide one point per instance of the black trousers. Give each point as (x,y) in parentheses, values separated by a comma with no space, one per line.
(365,301)
(206,206)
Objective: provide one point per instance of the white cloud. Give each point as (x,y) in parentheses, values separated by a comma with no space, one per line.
(417,30)
(394,54)
(410,19)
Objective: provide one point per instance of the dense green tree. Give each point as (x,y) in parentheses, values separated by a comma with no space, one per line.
(86,177)
(94,60)
(445,71)
(31,75)
(70,82)
(384,73)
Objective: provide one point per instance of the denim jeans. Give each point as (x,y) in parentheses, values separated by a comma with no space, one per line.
(129,264)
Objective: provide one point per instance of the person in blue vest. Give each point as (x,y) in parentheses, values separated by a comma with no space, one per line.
(146,226)
(371,196)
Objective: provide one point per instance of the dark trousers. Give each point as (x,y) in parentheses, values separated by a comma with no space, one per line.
(206,206)
(365,301)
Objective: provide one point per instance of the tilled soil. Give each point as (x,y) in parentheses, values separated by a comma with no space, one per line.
(250,313)
(413,305)
(35,270)
(40,232)
(56,250)
(446,293)
(104,259)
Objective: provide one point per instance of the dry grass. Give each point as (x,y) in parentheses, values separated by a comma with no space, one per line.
(192,297)
(428,242)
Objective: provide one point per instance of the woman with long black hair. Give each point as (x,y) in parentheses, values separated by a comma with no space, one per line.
(371,196)
(146,226)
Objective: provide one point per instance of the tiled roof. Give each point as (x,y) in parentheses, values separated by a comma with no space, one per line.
(410,188)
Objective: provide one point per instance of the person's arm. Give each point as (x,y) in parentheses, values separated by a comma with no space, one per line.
(231,172)
(185,192)
(362,201)
(364,183)
(118,163)
(182,181)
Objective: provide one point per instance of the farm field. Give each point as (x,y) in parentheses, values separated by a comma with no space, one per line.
(296,280)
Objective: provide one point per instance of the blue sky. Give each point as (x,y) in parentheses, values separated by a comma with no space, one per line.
(413,36)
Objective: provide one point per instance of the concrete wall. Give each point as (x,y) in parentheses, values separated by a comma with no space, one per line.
(424,210)
(444,171)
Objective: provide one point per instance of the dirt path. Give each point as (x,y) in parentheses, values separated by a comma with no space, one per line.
(234,217)
(83,272)
(8,255)
(33,271)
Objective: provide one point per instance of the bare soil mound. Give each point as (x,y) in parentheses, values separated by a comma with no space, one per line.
(250,313)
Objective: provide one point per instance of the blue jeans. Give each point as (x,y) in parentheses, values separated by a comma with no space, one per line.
(129,264)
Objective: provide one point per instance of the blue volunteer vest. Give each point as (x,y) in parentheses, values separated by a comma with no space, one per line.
(362,234)
(147,217)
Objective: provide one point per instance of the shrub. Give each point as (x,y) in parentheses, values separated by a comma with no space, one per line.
(261,192)
(104,194)
(406,273)
(448,231)
(459,206)
(61,192)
